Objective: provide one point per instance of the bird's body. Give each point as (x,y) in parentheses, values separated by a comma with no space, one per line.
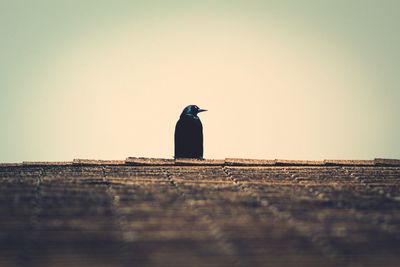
(189,134)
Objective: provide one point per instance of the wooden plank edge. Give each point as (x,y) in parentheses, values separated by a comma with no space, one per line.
(340,162)
(248,162)
(141,161)
(199,162)
(46,163)
(284,162)
(386,162)
(93,162)
(6,165)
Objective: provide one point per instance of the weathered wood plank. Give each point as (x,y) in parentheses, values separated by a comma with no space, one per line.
(149,161)
(387,162)
(97,162)
(349,162)
(200,162)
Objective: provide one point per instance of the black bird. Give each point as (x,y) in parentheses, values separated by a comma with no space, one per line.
(189,134)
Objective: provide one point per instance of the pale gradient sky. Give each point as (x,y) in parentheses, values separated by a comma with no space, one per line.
(281,79)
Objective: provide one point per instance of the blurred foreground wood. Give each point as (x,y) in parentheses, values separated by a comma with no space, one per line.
(233,212)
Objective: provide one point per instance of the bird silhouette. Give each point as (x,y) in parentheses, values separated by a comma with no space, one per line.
(189,134)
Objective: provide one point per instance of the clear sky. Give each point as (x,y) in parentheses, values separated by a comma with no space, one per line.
(281,79)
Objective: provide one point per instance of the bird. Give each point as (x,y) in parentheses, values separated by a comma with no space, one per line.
(189,134)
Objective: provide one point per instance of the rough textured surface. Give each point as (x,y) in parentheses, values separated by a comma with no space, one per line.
(220,213)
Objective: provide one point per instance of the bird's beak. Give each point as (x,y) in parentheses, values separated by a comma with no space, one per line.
(201,110)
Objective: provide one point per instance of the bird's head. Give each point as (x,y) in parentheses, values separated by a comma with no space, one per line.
(192,110)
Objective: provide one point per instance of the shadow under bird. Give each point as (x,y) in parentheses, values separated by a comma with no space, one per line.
(189,134)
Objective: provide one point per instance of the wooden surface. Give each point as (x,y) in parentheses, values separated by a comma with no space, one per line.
(83,213)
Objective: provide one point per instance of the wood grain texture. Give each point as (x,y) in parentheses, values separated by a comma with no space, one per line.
(225,214)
